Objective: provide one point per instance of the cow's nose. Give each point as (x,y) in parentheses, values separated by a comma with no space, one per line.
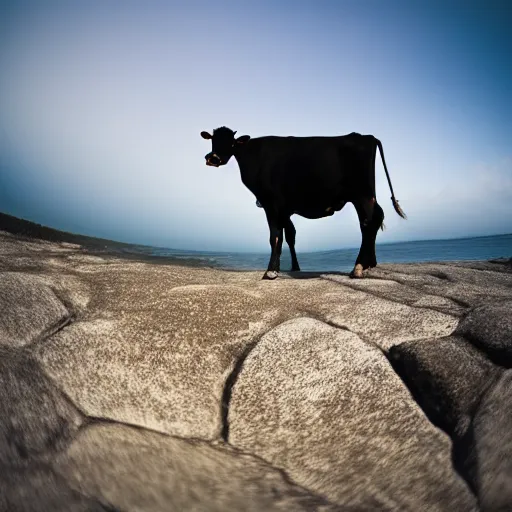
(212,159)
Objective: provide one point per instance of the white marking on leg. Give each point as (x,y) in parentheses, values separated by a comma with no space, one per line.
(358,270)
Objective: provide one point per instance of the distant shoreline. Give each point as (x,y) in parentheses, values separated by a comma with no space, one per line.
(32,230)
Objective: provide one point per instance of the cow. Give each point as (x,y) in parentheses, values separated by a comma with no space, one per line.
(313,177)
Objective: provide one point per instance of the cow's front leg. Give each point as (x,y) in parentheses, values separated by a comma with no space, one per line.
(276,244)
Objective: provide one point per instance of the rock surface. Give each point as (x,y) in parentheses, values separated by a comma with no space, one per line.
(469,397)
(164,473)
(39,489)
(490,453)
(31,309)
(34,415)
(137,384)
(447,376)
(489,327)
(329,408)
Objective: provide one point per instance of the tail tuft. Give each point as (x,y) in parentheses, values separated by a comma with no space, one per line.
(397,208)
(395,202)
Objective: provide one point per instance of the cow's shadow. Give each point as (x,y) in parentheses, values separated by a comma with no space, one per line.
(310,274)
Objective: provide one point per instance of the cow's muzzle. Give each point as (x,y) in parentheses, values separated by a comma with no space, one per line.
(213,160)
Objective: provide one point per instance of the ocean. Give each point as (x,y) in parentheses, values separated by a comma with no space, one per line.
(342,260)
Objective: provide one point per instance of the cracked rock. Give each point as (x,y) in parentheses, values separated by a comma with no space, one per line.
(490,457)
(489,327)
(466,286)
(407,295)
(447,377)
(383,321)
(30,310)
(329,409)
(471,399)
(35,418)
(134,469)
(182,350)
(40,489)
(162,364)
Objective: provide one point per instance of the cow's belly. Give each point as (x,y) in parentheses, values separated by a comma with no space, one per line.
(315,199)
(319,212)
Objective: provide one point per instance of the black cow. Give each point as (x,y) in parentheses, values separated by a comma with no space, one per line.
(310,176)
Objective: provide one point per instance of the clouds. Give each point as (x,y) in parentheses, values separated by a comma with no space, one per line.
(102,109)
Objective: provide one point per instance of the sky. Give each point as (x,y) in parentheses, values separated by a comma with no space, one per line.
(102,104)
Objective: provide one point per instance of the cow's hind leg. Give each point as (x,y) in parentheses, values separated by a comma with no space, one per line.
(279,249)
(276,244)
(370,220)
(289,233)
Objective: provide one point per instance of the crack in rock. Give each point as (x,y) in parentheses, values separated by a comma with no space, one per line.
(452,381)
(325,406)
(121,465)
(239,363)
(30,309)
(228,388)
(385,296)
(53,329)
(36,418)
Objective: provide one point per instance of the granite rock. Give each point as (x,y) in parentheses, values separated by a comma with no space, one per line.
(30,309)
(133,469)
(328,408)
(489,327)
(34,416)
(133,383)
(490,459)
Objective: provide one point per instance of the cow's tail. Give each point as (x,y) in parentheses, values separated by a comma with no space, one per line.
(393,199)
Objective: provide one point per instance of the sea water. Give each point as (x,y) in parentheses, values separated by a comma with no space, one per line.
(460,249)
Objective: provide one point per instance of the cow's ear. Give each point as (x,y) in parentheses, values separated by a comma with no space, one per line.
(242,139)
(206,135)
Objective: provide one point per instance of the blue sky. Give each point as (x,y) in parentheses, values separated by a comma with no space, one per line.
(102,103)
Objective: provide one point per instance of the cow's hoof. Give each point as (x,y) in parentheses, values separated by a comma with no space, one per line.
(270,274)
(357,273)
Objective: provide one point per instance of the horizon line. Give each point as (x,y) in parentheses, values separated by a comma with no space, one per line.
(254,252)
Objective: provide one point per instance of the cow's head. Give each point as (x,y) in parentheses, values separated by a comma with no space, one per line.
(224,145)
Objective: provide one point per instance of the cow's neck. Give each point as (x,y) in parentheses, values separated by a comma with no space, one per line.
(248,170)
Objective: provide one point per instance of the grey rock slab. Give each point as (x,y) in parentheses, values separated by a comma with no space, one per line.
(137,470)
(157,343)
(489,327)
(465,285)
(470,398)
(447,377)
(163,368)
(29,309)
(40,489)
(398,292)
(384,322)
(328,408)
(495,265)
(492,444)
(35,418)
(71,290)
